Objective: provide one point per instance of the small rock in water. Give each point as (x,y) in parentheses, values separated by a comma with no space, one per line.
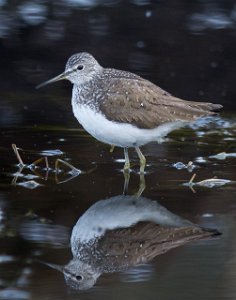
(180,166)
(30,176)
(229,139)
(207,215)
(51,152)
(31,184)
(200,133)
(6,258)
(210,183)
(223,155)
(18,174)
(14,294)
(200,160)
(148,13)
(213,182)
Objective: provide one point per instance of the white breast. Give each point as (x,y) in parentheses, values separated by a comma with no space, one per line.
(118,134)
(121,212)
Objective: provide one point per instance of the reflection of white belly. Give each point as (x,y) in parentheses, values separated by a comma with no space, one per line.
(121,212)
(118,134)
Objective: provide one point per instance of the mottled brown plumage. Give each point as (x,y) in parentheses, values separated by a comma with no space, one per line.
(122,232)
(123,109)
(141,103)
(138,244)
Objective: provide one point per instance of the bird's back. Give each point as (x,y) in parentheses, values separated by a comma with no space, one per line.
(129,98)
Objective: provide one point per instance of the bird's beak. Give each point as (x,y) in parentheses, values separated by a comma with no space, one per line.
(53,266)
(54,79)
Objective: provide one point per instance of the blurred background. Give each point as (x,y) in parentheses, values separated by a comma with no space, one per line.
(186,47)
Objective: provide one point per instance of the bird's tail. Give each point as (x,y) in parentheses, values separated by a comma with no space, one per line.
(209,232)
(205,106)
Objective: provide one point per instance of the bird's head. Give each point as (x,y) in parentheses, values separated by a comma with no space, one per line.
(79,275)
(80,68)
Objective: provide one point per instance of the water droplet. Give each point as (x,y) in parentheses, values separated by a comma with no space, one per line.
(207,215)
(148,13)
(51,152)
(140,44)
(31,184)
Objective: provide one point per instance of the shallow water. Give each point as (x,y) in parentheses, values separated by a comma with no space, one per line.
(36,220)
(187,49)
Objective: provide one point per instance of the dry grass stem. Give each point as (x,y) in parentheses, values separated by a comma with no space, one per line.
(15,149)
(60,161)
(192,179)
(112,148)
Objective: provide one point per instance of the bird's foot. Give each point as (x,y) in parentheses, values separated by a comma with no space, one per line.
(126,184)
(126,167)
(142,186)
(142,160)
(142,165)
(112,148)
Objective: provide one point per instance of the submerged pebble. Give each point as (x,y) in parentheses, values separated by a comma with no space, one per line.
(180,166)
(209,183)
(223,155)
(213,182)
(52,152)
(6,258)
(200,159)
(31,184)
(13,293)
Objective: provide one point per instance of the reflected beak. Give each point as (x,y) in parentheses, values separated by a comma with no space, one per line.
(54,79)
(53,266)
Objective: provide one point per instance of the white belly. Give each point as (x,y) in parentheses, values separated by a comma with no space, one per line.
(118,134)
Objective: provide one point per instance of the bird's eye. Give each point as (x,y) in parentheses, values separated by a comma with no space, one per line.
(78,277)
(80,67)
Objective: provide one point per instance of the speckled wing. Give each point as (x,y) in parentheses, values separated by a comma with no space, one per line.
(142,242)
(139,102)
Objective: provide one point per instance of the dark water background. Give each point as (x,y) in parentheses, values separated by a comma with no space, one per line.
(187,48)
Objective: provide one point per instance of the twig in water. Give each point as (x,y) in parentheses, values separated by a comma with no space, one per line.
(73,169)
(74,172)
(192,179)
(17,175)
(112,148)
(46,163)
(142,186)
(38,161)
(189,164)
(190,183)
(90,170)
(15,149)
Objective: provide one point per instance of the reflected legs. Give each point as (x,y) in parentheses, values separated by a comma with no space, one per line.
(142,185)
(127,163)
(126,171)
(142,160)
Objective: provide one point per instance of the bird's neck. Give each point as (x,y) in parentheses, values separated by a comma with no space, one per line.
(86,94)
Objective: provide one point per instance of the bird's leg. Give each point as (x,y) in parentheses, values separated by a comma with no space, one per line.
(126,184)
(142,160)
(127,163)
(126,171)
(142,185)
(112,148)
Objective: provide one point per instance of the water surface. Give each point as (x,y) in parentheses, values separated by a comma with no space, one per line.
(188,49)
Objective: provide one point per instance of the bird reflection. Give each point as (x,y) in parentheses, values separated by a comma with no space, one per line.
(121,232)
